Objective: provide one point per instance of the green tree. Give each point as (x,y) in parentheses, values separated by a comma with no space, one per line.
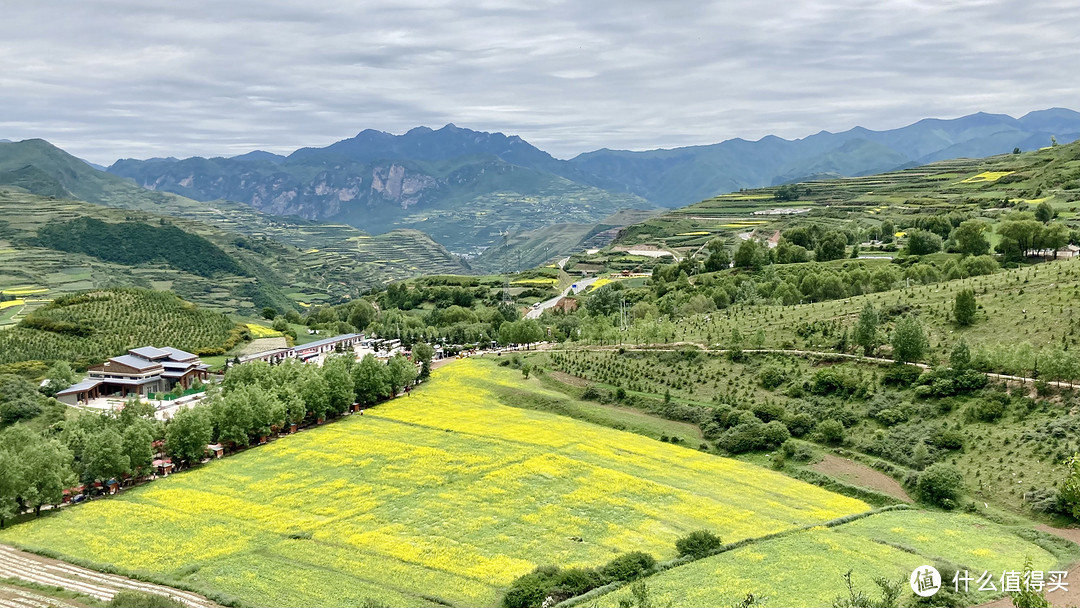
(908,340)
(401,374)
(970,237)
(698,544)
(104,456)
(11,482)
(940,484)
(46,468)
(137,441)
(866,330)
(234,418)
(965,307)
(269,313)
(370,380)
(1070,489)
(315,392)
(1044,212)
(750,255)
(337,371)
(361,314)
(1053,237)
(830,247)
(922,242)
(960,357)
(188,434)
(1029,596)
(719,258)
(423,352)
(60,376)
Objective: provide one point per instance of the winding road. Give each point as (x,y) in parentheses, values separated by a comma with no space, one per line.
(577,287)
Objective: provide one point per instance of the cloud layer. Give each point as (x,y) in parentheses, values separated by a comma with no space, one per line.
(137,78)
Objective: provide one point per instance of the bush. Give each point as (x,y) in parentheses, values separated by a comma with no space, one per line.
(947,439)
(742,438)
(940,484)
(901,375)
(798,451)
(767,412)
(831,431)
(530,590)
(138,599)
(833,381)
(698,544)
(771,377)
(800,424)
(775,434)
(627,567)
(990,409)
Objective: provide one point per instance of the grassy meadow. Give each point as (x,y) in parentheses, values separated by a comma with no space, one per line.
(444,496)
(807,568)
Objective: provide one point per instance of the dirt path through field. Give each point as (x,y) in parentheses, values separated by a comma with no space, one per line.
(45,571)
(12,596)
(859,474)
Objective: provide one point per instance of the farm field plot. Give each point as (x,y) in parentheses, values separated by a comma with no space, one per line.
(806,568)
(444,496)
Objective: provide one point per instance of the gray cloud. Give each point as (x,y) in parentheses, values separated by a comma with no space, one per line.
(132,78)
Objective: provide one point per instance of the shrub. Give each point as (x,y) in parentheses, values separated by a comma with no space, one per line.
(530,590)
(742,438)
(796,450)
(947,439)
(800,424)
(627,567)
(767,412)
(831,431)
(986,410)
(901,375)
(771,377)
(833,381)
(698,544)
(775,434)
(139,599)
(940,484)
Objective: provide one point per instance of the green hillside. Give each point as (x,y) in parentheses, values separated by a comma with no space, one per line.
(88,327)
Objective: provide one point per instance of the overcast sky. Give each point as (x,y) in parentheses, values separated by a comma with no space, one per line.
(106,79)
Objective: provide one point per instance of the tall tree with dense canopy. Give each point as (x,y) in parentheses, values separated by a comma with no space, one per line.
(423,352)
(188,433)
(908,340)
(338,374)
(970,237)
(866,331)
(371,380)
(964,308)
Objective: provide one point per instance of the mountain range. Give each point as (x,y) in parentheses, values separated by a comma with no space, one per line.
(426,179)
(478,193)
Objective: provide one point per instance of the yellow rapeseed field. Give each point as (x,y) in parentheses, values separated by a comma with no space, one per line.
(986,176)
(12,303)
(261,331)
(447,494)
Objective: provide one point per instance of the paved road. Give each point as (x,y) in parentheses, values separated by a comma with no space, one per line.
(577,287)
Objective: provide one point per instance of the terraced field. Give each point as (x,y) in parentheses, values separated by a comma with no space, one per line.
(444,496)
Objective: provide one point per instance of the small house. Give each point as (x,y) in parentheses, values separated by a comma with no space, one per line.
(112,486)
(215,450)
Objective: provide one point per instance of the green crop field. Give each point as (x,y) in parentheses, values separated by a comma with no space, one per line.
(806,568)
(443,496)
